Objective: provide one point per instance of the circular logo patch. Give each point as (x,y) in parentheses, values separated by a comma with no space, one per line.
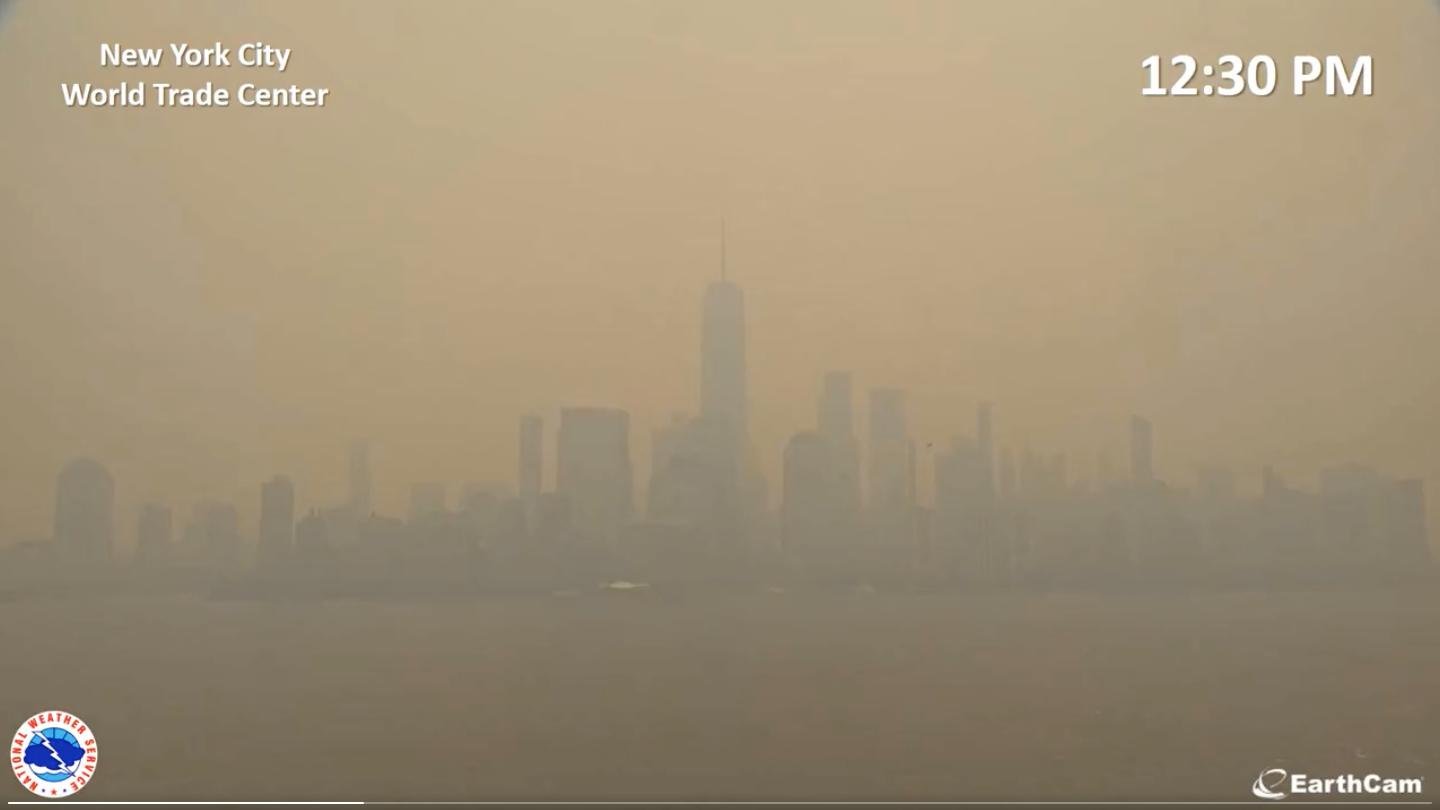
(53,754)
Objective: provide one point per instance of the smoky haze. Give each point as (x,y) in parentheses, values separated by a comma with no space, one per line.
(514,207)
(714,401)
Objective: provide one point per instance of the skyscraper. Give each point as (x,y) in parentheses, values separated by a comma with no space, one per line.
(722,353)
(722,358)
(892,474)
(277,521)
(360,495)
(887,415)
(964,504)
(427,501)
(215,534)
(1215,484)
(312,538)
(985,444)
(696,484)
(665,442)
(84,512)
(530,473)
(836,417)
(593,470)
(891,497)
(707,478)
(552,518)
(810,516)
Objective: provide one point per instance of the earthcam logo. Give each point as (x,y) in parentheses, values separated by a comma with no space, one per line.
(53,754)
(1277,783)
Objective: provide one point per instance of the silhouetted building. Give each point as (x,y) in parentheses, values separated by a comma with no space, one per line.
(1373,522)
(665,441)
(360,482)
(530,473)
(374,533)
(697,485)
(554,522)
(214,535)
(836,417)
(891,496)
(704,482)
(342,523)
(479,507)
(510,522)
(593,470)
(482,495)
(723,394)
(964,516)
(807,498)
(817,514)
(277,521)
(312,538)
(427,501)
(1407,538)
(1216,484)
(724,403)
(489,513)
(84,512)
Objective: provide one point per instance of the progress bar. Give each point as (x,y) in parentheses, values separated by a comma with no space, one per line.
(756,803)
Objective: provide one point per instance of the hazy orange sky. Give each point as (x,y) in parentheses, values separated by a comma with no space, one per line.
(515,206)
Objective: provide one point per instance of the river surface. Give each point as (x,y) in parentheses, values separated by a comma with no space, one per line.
(733,696)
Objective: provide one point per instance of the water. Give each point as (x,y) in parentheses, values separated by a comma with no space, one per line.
(759,696)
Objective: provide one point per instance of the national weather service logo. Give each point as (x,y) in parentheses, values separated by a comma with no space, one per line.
(54,754)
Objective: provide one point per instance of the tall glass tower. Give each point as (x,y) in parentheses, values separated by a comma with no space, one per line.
(723,395)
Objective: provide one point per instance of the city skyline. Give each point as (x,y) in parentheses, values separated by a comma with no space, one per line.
(996,513)
(706,402)
(974,204)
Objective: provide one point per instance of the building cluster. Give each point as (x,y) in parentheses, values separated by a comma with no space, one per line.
(847,511)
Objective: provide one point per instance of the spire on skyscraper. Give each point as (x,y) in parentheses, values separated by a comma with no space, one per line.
(723,269)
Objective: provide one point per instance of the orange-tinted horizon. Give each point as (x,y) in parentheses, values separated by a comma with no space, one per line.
(512,207)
